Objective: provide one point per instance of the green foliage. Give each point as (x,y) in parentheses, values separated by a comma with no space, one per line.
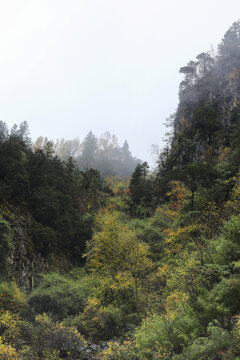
(11,297)
(162,335)
(55,336)
(206,122)
(212,347)
(227,249)
(149,233)
(99,322)
(231,229)
(141,191)
(14,176)
(62,199)
(164,265)
(223,300)
(61,296)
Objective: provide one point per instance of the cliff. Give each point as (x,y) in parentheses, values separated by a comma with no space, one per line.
(24,263)
(209,100)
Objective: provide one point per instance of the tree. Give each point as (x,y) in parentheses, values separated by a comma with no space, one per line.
(115,253)
(88,157)
(141,190)
(48,150)
(190,72)
(21,132)
(205,63)
(3,131)
(125,151)
(230,45)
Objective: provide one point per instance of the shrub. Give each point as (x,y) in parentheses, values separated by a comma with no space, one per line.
(212,347)
(228,245)
(55,336)
(223,301)
(100,322)
(11,297)
(60,296)
(117,351)
(160,336)
(149,233)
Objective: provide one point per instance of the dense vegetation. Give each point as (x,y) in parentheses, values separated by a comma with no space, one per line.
(153,265)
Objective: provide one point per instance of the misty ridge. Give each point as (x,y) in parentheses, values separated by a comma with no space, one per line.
(103,154)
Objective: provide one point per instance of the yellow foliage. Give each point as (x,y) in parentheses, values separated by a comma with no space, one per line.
(123,281)
(162,354)
(43,319)
(7,352)
(117,184)
(174,303)
(9,326)
(115,252)
(178,238)
(162,274)
(116,351)
(177,195)
(92,318)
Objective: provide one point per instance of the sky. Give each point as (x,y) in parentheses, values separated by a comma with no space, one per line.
(71,66)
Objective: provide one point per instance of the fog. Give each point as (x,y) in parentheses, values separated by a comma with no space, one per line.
(68,67)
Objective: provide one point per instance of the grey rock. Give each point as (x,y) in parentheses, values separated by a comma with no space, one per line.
(94,347)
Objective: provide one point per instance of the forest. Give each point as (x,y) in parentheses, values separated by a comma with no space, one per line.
(103,154)
(102,258)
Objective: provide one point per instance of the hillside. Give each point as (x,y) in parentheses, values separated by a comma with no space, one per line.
(95,268)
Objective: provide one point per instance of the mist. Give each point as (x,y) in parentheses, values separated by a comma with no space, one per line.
(71,67)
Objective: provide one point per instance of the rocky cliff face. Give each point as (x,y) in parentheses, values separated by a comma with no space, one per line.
(209,109)
(220,89)
(209,95)
(24,264)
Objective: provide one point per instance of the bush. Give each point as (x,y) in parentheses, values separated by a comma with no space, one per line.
(117,351)
(149,233)
(231,229)
(212,347)
(56,336)
(228,245)
(163,335)
(60,296)
(223,301)
(11,297)
(98,322)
